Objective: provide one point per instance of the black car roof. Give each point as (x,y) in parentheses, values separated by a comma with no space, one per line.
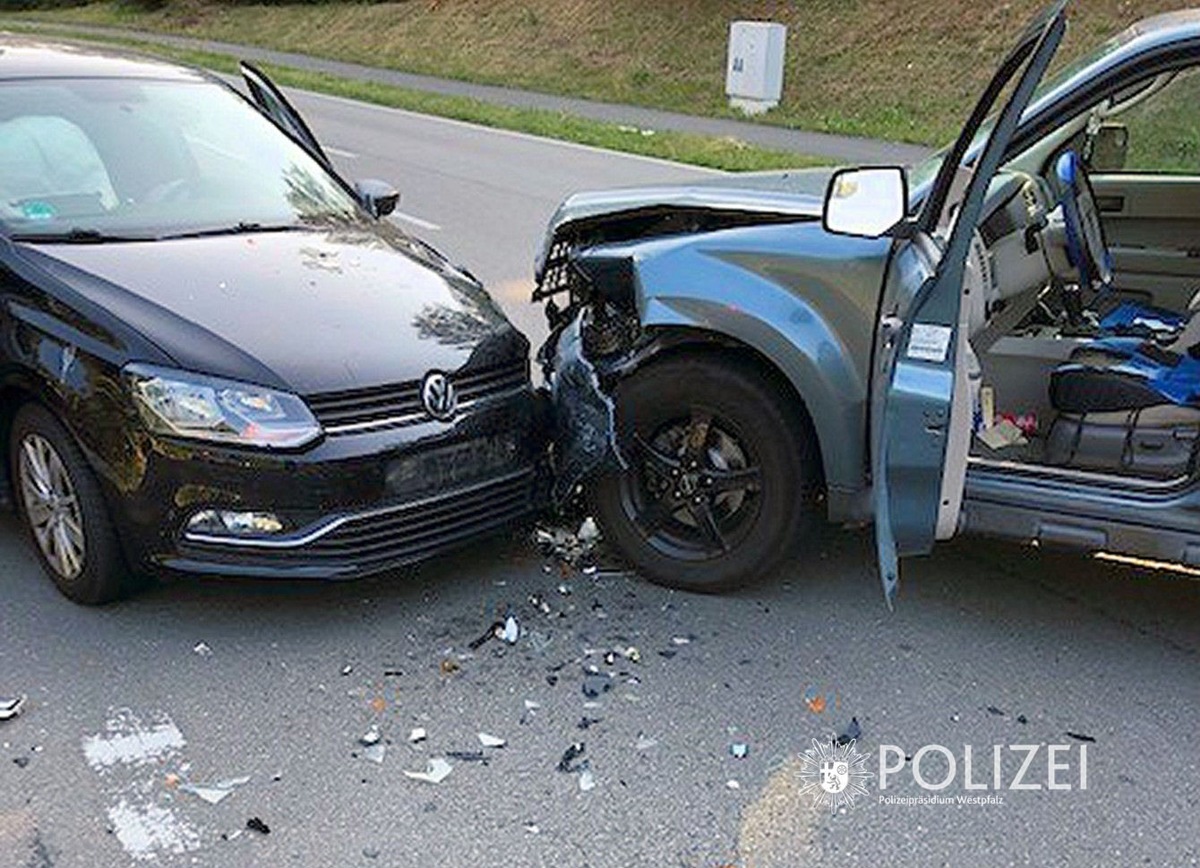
(33,57)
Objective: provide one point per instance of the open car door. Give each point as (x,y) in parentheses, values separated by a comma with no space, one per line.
(274,105)
(919,443)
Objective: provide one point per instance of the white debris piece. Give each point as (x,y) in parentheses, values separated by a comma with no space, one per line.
(202,649)
(491,740)
(435,772)
(417,735)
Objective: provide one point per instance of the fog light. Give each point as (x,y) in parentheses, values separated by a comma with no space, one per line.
(229,523)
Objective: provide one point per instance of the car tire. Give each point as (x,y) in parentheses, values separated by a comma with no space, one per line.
(690,428)
(60,504)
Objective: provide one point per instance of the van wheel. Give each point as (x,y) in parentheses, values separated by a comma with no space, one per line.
(722,477)
(59,502)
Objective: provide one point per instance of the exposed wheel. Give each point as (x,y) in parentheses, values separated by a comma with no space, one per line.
(722,478)
(60,504)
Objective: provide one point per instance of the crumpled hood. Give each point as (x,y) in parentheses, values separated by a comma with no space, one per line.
(799,192)
(312,311)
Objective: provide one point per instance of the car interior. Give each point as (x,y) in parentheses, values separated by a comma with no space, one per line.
(1082,292)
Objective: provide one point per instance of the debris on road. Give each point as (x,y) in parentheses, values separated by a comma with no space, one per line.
(1079,736)
(587,781)
(491,740)
(991,709)
(468,756)
(815,701)
(644,742)
(202,649)
(570,548)
(254,824)
(739,750)
(596,683)
(10,706)
(512,630)
(1022,719)
(853,732)
(347,669)
(586,722)
(435,772)
(732,784)
(492,632)
(417,735)
(214,793)
(20,761)
(449,666)
(567,764)
(375,753)
(371,852)
(370,737)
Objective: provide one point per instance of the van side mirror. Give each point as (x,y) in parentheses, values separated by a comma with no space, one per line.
(1107,148)
(378,197)
(866,203)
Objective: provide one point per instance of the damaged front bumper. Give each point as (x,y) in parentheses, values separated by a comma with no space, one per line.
(585,425)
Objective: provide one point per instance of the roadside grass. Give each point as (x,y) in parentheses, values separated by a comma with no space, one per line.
(727,154)
(888,69)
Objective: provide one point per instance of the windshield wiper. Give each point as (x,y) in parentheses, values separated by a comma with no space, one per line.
(242,227)
(76,235)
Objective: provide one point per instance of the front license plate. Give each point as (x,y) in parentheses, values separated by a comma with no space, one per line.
(452,466)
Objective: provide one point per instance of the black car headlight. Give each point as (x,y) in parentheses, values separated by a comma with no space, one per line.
(198,407)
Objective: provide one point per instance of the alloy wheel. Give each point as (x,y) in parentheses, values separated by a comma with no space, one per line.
(51,506)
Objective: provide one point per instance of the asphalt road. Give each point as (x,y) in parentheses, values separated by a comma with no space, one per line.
(990,645)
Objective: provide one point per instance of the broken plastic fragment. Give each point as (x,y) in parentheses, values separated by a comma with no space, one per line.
(853,733)
(492,632)
(632,654)
(531,705)
(375,753)
(512,630)
(596,683)
(254,824)
(587,781)
(435,772)
(732,784)
(10,706)
(589,531)
(449,667)
(417,735)
(739,750)
(202,649)
(491,740)
(347,669)
(572,753)
(681,640)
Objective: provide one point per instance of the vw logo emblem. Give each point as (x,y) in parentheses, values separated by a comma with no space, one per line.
(438,396)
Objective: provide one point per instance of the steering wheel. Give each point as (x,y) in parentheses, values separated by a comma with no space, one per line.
(1086,248)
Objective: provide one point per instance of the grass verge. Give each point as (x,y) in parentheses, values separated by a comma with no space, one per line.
(727,154)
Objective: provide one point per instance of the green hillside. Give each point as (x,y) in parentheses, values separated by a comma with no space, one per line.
(881,68)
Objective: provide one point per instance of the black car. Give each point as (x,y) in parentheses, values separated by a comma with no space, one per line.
(217,357)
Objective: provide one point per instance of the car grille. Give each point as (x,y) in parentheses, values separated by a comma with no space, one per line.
(394,536)
(400,404)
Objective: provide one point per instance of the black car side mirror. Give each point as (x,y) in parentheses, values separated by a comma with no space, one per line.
(378,197)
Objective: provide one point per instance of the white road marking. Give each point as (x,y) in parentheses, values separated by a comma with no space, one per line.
(416,221)
(509,133)
(147,829)
(340,152)
(128,755)
(128,742)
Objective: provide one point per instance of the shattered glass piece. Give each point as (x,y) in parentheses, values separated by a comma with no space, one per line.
(589,531)
(564,589)
(370,737)
(681,640)
(10,706)
(417,735)
(587,781)
(435,772)
(853,732)
(632,654)
(539,641)
(572,753)
(645,742)
(214,793)
(254,824)
(375,753)
(530,705)
(532,828)
(491,740)
(596,683)
(347,669)
(739,750)
(512,630)
(202,649)
(732,784)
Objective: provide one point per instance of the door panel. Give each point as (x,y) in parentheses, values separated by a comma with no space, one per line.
(1152,223)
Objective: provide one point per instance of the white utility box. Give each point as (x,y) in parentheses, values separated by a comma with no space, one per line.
(754,76)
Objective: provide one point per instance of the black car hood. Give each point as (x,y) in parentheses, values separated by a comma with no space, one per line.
(310,310)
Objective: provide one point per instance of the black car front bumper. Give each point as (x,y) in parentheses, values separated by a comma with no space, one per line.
(353,505)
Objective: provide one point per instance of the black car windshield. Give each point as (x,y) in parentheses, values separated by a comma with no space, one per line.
(87,160)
